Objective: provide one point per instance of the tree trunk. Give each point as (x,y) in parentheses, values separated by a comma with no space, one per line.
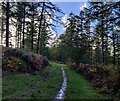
(20,34)
(102,36)
(7,24)
(106,51)
(16,38)
(118,48)
(32,30)
(2,26)
(114,55)
(23,40)
(40,26)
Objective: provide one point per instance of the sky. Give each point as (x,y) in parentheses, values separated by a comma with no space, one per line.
(67,8)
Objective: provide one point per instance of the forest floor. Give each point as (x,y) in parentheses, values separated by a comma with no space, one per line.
(26,86)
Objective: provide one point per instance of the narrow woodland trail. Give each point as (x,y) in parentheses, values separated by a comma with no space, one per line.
(61,93)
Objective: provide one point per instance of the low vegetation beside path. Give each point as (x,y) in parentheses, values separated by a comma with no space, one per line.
(105,78)
(28,86)
(79,88)
(27,75)
(24,85)
(21,60)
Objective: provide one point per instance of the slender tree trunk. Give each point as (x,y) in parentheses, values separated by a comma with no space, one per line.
(20,38)
(32,39)
(40,26)
(2,31)
(106,53)
(2,26)
(32,30)
(81,31)
(16,38)
(114,55)
(42,38)
(23,39)
(102,46)
(90,51)
(41,42)
(102,36)
(7,24)
(118,48)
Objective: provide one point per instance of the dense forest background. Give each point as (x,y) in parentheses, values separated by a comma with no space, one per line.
(91,37)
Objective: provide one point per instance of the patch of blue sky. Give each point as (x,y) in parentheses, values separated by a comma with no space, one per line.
(67,8)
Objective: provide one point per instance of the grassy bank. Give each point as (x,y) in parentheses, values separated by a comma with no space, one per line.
(26,86)
(16,84)
(49,88)
(32,86)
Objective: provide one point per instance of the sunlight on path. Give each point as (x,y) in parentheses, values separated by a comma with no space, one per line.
(61,93)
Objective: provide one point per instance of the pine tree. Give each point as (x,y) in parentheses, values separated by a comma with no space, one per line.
(100,12)
(47,10)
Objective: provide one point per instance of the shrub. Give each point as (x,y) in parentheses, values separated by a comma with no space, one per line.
(12,56)
(37,61)
(80,68)
(72,65)
(99,76)
(116,86)
(14,64)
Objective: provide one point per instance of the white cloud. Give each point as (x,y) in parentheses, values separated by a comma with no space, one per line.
(53,41)
(64,28)
(83,6)
(64,19)
(117,28)
(49,20)
(27,19)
